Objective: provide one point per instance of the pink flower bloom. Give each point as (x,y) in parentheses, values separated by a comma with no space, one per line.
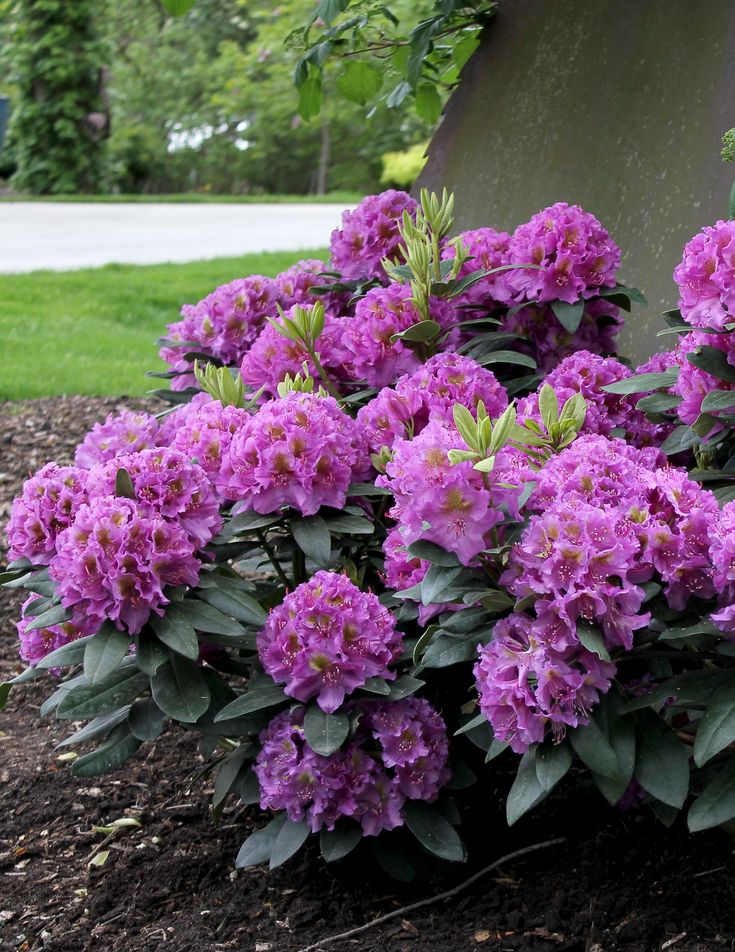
(327,639)
(489,249)
(115,560)
(125,432)
(49,501)
(301,450)
(706,277)
(205,433)
(36,644)
(368,234)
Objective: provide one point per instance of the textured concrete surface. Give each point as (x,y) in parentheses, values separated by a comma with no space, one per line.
(63,236)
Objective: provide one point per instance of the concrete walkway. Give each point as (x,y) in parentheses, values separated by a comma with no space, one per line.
(61,236)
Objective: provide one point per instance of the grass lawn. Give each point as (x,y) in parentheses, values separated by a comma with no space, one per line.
(196,198)
(93,331)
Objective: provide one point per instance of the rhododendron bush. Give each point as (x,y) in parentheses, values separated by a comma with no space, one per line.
(405,525)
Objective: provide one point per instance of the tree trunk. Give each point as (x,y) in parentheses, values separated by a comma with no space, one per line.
(322,172)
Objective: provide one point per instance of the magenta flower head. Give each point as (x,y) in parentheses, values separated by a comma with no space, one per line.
(706,277)
(47,505)
(430,394)
(170,484)
(368,351)
(453,505)
(488,249)
(294,285)
(327,639)
(575,256)
(205,433)
(722,552)
(124,432)
(36,644)
(115,560)
(301,450)
(398,753)
(273,356)
(370,233)
(526,686)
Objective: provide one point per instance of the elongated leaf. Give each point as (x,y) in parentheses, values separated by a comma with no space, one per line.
(593,748)
(176,633)
(718,400)
(422,332)
(404,687)
(433,553)
(254,700)
(324,732)
(54,616)
(552,763)
(620,732)
(508,357)
(568,315)
(90,700)
(716,729)
(178,8)
(312,537)
(681,438)
(232,602)
(337,843)
(180,690)
(346,523)
(592,639)
(104,652)
(527,791)
(119,748)
(150,653)
(643,383)
(436,581)
(713,361)
(289,841)
(70,653)
(433,832)
(716,805)
(5,689)
(95,728)
(203,617)
(662,762)
(146,719)
(258,846)
(227,776)
(447,651)
(658,402)
(703,627)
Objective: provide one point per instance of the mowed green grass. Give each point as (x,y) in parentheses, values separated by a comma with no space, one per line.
(93,331)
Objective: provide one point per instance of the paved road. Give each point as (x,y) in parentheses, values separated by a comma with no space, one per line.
(63,236)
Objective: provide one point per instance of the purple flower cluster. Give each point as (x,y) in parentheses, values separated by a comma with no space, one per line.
(368,351)
(125,432)
(47,505)
(326,639)
(169,484)
(294,285)
(301,450)
(430,393)
(693,384)
(525,685)
(398,752)
(272,356)
(722,550)
(369,234)
(115,560)
(488,249)
(39,642)
(204,433)
(574,256)
(453,505)
(706,277)
(223,325)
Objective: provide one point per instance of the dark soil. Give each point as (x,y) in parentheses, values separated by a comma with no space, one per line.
(619,882)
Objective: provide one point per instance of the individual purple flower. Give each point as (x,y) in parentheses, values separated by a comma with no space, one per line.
(544,338)
(37,643)
(301,450)
(125,432)
(489,249)
(706,277)
(574,256)
(430,393)
(170,484)
(47,505)
(577,560)
(204,434)
(369,233)
(273,356)
(453,505)
(526,686)
(368,351)
(362,781)
(326,639)
(116,559)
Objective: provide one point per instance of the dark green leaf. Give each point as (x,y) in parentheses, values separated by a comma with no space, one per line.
(404,687)
(703,627)
(227,776)
(254,700)
(367,489)
(376,686)
(89,700)
(349,524)
(662,761)
(203,617)
(70,653)
(436,581)
(175,632)
(592,639)
(643,383)
(716,729)
(337,843)
(552,763)
(150,653)
(568,315)
(422,332)
(658,402)
(119,748)
(508,357)
(54,616)
(433,553)
(444,652)
(258,846)
(5,689)
(180,690)
(312,537)
(146,719)
(433,832)
(716,805)
(526,792)
(124,484)
(620,732)
(682,438)
(324,732)
(289,840)
(393,860)
(95,728)
(719,400)
(104,652)
(712,361)
(593,748)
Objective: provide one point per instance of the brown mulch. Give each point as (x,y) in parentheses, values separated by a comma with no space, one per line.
(620,882)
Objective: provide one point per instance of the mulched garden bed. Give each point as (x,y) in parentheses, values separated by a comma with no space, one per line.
(620,881)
